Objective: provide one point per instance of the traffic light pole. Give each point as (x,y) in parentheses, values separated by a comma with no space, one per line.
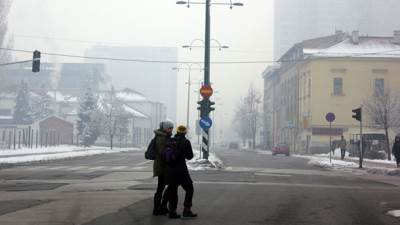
(205,134)
(361,144)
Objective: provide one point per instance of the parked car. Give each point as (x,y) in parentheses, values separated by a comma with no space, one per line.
(374,146)
(281,148)
(233,145)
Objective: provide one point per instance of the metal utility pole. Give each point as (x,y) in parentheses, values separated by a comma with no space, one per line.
(358,116)
(361,142)
(188,102)
(205,134)
(207,41)
(205,103)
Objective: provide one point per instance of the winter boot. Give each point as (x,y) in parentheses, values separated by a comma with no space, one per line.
(160,211)
(174,215)
(187,213)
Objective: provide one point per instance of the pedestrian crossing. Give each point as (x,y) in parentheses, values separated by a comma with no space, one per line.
(76,168)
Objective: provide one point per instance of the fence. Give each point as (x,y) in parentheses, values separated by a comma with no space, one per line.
(17,138)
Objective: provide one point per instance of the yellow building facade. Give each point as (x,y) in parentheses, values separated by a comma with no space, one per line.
(334,74)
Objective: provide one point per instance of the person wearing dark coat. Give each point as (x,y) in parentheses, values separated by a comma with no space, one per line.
(396,150)
(162,136)
(178,175)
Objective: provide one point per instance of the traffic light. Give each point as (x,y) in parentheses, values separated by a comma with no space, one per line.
(36,61)
(357,114)
(205,107)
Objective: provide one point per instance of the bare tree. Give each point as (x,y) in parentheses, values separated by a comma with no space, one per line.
(247,115)
(383,109)
(115,118)
(4,9)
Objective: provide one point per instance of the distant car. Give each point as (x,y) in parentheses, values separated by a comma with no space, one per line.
(281,148)
(233,145)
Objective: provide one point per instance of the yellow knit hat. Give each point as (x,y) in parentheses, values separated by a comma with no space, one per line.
(181,129)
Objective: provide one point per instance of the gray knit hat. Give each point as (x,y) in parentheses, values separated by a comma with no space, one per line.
(166,124)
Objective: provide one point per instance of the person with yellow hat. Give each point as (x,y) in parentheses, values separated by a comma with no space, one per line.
(178,175)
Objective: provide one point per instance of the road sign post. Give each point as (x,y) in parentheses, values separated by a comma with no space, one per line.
(330,117)
(205,122)
(358,116)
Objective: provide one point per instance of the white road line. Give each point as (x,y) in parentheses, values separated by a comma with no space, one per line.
(118,167)
(77,168)
(272,174)
(143,163)
(58,168)
(138,168)
(295,185)
(96,168)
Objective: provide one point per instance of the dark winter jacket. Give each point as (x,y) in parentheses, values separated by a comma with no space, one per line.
(161,140)
(179,173)
(396,149)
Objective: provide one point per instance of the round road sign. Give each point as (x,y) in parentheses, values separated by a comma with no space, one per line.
(205,123)
(330,117)
(206,91)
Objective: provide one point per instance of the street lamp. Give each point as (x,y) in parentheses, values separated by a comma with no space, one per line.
(231,4)
(207,40)
(189,68)
(219,45)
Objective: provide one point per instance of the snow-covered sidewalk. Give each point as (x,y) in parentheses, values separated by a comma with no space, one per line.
(51,153)
(197,163)
(350,164)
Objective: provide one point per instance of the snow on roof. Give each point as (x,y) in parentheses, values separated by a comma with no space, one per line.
(59,97)
(374,47)
(131,96)
(134,112)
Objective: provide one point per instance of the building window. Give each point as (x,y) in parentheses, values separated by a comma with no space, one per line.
(337,86)
(379,86)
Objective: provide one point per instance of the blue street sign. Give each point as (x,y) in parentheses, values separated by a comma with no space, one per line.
(205,123)
(330,117)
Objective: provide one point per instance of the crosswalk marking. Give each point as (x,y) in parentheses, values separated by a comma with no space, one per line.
(77,168)
(58,168)
(119,167)
(96,168)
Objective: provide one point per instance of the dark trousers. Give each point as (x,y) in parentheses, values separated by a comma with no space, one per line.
(160,200)
(343,151)
(172,192)
(398,161)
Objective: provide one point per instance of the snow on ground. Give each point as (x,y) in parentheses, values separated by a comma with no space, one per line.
(322,160)
(197,163)
(325,162)
(337,155)
(394,213)
(263,152)
(52,153)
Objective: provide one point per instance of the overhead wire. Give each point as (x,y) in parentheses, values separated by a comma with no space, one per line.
(185,62)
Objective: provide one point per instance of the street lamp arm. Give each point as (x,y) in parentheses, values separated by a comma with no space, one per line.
(194,40)
(231,4)
(185,66)
(218,44)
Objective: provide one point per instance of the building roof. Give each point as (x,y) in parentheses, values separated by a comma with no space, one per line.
(376,47)
(129,95)
(60,97)
(134,112)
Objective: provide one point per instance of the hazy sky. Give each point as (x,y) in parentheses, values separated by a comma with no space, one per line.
(246,30)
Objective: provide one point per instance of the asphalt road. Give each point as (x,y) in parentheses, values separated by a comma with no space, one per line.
(253,188)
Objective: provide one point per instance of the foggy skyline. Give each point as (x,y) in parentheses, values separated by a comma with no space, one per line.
(246,30)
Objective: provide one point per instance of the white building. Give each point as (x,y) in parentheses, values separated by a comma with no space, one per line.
(156,81)
(298,20)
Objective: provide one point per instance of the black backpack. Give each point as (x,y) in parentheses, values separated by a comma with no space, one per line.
(151,151)
(170,153)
